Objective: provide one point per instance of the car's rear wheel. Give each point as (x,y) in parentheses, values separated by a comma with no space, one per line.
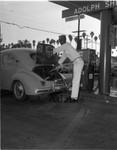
(18,91)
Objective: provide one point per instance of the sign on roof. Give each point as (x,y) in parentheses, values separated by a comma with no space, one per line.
(72,18)
(92,7)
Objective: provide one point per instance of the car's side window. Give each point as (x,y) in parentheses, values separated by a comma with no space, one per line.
(5,59)
(11,60)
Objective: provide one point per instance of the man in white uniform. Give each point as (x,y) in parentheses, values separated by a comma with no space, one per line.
(78,63)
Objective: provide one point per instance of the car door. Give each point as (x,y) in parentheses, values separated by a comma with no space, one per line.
(8,69)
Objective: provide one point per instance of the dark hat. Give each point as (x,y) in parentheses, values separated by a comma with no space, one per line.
(62,36)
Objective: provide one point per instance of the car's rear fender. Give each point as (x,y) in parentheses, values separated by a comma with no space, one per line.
(29,81)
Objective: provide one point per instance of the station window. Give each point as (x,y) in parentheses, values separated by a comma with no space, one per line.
(8,59)
(11,59)
(5,59)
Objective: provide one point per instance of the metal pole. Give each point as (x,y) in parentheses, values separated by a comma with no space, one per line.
(87,42)
(105,53)
(78,42)
(0,37)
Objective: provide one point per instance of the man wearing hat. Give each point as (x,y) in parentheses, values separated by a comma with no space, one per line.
(78,63)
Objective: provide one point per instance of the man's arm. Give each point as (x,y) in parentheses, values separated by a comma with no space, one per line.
(62,59)
(60,48)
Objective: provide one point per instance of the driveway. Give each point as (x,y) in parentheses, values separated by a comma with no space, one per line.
(44,124)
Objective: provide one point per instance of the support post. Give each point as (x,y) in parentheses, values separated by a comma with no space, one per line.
(105,53)
(78,40)
(0,38)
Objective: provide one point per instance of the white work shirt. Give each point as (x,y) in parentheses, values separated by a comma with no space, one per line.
(68,51)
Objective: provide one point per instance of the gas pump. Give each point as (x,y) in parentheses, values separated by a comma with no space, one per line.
(87,77)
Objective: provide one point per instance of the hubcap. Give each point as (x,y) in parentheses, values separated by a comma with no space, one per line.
(18,90)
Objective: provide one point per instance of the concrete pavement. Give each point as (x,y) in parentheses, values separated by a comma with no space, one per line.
(36,124)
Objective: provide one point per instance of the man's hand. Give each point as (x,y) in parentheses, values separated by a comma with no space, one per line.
(54,51)
(60,66)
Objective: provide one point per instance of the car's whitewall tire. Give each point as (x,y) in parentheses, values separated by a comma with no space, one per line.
(18,91)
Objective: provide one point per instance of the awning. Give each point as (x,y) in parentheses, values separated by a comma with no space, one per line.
(91,8)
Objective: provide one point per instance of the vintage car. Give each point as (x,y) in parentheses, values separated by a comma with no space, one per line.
(22,74)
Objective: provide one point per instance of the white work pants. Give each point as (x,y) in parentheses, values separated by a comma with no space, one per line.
(77,70)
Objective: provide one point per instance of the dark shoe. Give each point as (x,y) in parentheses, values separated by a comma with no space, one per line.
(80,99)
(73,100)
(68,100)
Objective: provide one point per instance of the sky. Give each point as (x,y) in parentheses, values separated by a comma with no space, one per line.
(41,15)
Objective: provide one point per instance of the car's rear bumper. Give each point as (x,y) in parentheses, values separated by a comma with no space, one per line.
(50,90)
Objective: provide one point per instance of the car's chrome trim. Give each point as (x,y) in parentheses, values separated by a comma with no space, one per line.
(54,89)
